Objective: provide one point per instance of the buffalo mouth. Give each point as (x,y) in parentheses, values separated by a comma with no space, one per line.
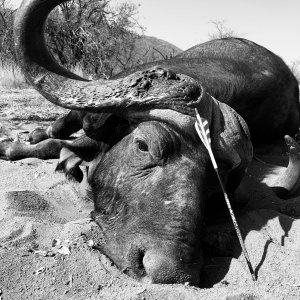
(157,264)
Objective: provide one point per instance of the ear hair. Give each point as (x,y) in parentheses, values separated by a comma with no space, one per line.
(75,153)
(69,164)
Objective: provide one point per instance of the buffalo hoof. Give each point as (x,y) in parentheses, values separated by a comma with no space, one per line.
(37,135)
(7,148)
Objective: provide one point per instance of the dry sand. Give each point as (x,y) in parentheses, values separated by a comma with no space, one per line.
(47,245)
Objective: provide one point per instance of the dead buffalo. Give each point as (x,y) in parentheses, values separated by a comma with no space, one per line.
(149,175)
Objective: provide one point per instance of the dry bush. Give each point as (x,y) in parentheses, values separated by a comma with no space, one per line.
(222,31)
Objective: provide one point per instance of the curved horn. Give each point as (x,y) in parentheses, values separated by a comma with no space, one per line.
(289,178)
(284,181)
(29,39)
(152,88)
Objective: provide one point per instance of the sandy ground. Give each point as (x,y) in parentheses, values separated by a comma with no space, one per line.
(48,242)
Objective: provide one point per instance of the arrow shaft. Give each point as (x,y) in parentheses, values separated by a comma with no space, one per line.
(203,136)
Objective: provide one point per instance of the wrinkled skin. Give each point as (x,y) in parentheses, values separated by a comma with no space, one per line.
(149,175)
(149,184)
(150,197)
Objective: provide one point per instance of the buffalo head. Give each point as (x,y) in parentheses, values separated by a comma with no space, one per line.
(149,186)
(150,191)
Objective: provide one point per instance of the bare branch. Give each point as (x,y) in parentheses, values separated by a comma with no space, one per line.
(222,31)
(163,55)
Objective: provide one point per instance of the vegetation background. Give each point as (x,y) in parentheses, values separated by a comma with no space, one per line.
(94,39)
(91,37)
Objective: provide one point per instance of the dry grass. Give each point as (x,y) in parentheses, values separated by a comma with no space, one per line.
(18,101)
(79,71)
(27,104)
(11,76)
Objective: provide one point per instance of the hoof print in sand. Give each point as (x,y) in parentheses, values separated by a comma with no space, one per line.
(26,201)
(17,231)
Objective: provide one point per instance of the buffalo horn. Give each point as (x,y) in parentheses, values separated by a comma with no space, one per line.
(153,88)
(289,178)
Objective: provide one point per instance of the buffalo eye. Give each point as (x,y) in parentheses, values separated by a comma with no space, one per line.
(142,146)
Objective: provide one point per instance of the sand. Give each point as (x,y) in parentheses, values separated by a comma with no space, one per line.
(48,245)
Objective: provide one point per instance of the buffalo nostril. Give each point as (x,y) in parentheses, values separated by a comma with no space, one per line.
(163,268)
(140,265)
(136,267)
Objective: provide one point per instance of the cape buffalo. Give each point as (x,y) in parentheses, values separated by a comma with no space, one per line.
(149,175)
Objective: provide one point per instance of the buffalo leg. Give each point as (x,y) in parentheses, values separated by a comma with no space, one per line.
(62,128)
(47,149)
(83,146)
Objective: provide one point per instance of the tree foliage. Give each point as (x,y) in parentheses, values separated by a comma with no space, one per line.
(6,32)
(93,34)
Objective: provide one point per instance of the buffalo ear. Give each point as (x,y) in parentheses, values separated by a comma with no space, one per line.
(231,138)
(69,164)
(78,152)
(231,144)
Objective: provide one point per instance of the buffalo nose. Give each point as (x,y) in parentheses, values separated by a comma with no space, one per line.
(163,268)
